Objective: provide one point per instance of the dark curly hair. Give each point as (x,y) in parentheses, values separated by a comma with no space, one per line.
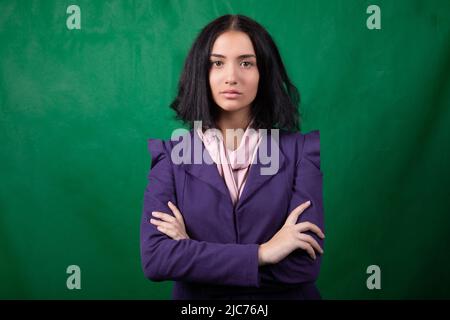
(277,100)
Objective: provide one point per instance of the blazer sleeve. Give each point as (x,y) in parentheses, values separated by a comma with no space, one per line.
(191,260)
(298,267)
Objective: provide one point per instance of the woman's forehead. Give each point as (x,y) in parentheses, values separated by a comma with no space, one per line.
(233,44)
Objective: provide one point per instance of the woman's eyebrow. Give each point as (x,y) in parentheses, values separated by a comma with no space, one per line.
(242,56)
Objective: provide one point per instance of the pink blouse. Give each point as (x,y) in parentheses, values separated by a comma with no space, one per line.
(233,165)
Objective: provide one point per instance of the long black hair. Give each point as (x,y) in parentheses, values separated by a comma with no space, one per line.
(277,100)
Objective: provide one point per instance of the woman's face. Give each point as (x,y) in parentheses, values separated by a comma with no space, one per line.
(233,68)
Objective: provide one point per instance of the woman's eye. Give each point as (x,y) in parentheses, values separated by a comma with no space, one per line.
(216,63)
(247,64)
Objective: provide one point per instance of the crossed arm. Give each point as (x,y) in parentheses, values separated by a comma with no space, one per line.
(292,256)
(290,237)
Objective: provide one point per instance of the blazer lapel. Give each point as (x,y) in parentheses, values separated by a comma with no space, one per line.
(205,172)
(255,179)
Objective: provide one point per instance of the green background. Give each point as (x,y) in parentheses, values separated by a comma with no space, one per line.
(77,108)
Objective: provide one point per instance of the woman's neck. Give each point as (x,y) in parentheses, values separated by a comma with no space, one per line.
(234,120)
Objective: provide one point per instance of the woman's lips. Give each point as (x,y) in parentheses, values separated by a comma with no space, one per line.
(231,95)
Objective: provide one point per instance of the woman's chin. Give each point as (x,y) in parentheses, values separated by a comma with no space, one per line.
(231,106)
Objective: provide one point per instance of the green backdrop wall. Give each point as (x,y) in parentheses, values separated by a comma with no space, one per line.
(78,105)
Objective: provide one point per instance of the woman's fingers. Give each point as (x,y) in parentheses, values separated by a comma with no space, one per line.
(311,241)
(167,228)
(293,216)
(308,248)
(168,217)
(175,211)
(172,226)
(308,226)
(160,223)
(163,216)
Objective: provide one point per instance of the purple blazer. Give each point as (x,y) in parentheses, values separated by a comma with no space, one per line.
(220,260)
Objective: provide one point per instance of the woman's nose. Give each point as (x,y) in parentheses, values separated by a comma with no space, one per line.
(231,75)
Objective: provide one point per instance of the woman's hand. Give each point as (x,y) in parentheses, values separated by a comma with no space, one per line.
(171,226)
(291,237)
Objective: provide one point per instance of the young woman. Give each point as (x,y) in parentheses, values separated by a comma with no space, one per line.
(223,229)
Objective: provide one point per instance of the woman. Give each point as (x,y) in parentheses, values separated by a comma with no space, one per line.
(223,229)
